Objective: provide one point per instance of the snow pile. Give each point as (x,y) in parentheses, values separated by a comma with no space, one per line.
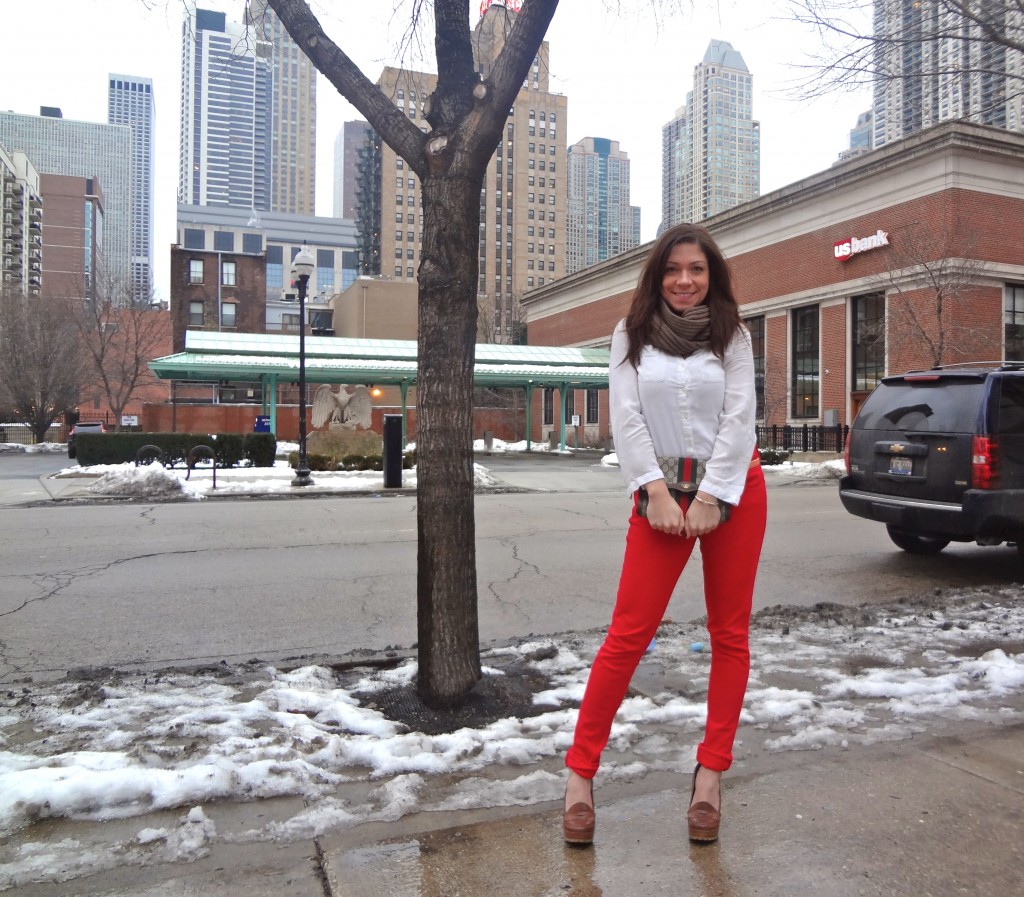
(150,481)
(40,447)
(138,744)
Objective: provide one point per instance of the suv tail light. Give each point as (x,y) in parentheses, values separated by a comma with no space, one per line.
(984,463)
(846,451)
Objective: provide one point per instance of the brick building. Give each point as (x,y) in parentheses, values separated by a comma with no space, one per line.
(906,257)
(219,291)
(73,261)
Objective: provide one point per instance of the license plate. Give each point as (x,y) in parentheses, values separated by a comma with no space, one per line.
(902,466)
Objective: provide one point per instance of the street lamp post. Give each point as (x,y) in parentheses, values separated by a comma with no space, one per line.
(302,268)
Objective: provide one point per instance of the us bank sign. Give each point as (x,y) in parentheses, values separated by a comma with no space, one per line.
(847,249)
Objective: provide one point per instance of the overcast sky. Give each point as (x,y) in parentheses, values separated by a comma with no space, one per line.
(624,76)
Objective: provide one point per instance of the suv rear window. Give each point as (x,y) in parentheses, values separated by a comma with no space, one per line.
(1011,405)
(944,405)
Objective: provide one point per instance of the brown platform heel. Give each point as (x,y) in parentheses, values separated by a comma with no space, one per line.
(702,818)
(578,822)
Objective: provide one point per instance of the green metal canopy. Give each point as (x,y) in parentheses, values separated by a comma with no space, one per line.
(274,358)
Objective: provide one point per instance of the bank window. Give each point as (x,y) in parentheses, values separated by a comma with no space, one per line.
(868,334)
(570,405)
(592,406)
(805,369)
(227,314)
(756,328)
(549,406)
(1013,323)
(227,274)
(195,314)
(195,271)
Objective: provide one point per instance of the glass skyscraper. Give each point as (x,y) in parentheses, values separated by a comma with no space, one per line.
(130,103)
(226,81)
(600,222)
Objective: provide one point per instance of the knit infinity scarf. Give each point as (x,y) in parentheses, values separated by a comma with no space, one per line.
(683,334)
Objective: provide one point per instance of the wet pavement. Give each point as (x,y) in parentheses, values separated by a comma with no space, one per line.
(932,816)
(937,817)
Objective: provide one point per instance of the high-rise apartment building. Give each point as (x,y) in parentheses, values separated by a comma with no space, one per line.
(934,65)
(73,229)
(293,115)
(600,222)
(226,83)
(85,149)
(712,151)
(347,146)
(130,103)
(523,199)
(21,205)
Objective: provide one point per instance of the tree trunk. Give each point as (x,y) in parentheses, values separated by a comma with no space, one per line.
(449,642)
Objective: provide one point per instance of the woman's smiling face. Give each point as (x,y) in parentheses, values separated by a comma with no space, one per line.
(684,283)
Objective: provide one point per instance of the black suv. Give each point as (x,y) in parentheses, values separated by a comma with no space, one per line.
(938,456)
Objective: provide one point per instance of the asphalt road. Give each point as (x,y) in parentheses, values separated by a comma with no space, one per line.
(153,585)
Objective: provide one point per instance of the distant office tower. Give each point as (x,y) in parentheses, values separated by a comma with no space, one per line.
(713,150)
(85,149)
(293,119)
(861,137)
(338,184)
(523,201)
(933,65)
(600,222)
(347,145)
(130,103)
(226,83)
(671,166)
(21,251)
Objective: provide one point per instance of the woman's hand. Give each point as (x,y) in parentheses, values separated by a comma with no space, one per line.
(663,512)
(703,516)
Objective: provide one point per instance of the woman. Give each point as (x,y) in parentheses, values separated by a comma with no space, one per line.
(681,382)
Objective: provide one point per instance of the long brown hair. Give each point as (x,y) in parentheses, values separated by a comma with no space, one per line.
(721,301)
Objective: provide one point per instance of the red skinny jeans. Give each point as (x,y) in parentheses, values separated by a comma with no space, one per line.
(653,563)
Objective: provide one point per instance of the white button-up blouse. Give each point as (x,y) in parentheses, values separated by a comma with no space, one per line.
(699,407)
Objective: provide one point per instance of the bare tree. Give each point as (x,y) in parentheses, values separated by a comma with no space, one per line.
(929,286)
(467,114)
(40,360)
(861,45)
(506,325)
(119,338)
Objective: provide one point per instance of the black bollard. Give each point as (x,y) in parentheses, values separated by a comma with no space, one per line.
(392,451)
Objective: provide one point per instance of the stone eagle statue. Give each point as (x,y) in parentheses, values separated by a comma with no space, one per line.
(348,408)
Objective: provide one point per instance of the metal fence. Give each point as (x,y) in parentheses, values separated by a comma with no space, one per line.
(20,433)
(803,438)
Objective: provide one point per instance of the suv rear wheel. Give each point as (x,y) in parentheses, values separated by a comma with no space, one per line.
(915,543)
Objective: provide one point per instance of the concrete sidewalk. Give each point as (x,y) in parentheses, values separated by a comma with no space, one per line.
(927,817)
(940,816)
